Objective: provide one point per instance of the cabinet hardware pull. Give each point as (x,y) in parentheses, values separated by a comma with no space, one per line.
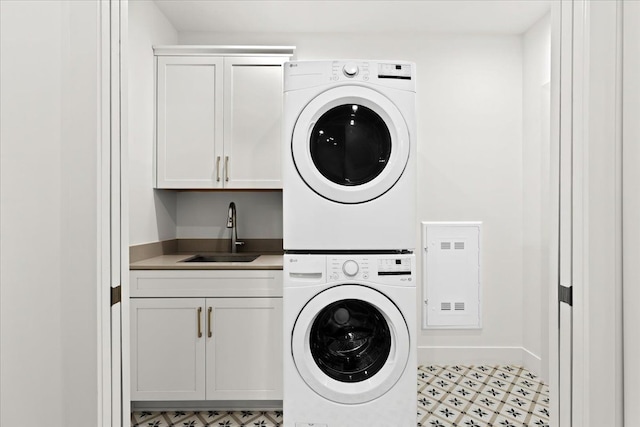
(226,168)
(199,322)
(218,169)
(209,323)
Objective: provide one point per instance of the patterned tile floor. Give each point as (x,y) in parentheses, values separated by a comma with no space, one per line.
(448,396)
(481,396)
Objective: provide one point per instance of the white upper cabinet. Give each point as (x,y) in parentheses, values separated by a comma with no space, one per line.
(218,122)
(189,122)
(252,122)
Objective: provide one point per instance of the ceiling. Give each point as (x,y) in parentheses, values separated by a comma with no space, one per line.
(354,16)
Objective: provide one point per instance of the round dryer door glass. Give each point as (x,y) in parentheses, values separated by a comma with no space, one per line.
(350,144)
(350,340)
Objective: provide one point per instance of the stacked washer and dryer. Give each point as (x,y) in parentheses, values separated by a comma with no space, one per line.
(349,235)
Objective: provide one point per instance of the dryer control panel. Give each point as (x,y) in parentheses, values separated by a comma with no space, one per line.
(308,74)
(394,71)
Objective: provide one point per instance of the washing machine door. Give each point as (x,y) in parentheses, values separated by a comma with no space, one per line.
(350,344)
(350,144)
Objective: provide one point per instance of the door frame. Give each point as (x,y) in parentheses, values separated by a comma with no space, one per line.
(569,45)
(590,258)
(113,260)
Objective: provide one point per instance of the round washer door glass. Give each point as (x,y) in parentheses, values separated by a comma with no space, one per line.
(341,325)
(350,144)
(350,340)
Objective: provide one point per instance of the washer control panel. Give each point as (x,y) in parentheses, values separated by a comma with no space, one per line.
(394,266)
(390,268)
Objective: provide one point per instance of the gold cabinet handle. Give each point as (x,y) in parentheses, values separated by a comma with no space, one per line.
(209,323)
(218,168)
(226,168)
(199,322)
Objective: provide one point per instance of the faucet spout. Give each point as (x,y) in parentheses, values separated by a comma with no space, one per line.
(232,224)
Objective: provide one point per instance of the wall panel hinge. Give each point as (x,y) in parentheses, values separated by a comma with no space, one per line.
(565,294)
(116,295)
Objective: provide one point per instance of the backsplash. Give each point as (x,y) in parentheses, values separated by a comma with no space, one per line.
(203,215)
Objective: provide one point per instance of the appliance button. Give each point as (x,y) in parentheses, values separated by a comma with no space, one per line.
(350,268)
(350,69)
(335,276)
(365,275)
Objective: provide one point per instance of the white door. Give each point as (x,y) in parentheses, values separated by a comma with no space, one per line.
(631,206)
(253,122)
(350,344)
(350,144)
(244,348)
(167,349)
(189,122)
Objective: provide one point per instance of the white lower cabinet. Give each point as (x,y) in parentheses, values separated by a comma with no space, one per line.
(244,352)
(206,349)
(167,349)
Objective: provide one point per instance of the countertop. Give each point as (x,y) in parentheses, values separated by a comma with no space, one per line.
(174,262)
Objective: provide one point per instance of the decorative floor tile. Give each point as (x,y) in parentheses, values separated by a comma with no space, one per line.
(448,396)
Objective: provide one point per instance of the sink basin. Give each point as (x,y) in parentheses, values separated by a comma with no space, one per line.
(222,258)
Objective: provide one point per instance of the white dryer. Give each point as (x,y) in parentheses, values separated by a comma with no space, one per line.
(349,155)
(349,340)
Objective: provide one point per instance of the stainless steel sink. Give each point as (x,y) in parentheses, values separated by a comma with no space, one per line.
(222,258)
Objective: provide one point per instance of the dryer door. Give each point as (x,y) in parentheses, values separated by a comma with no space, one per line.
(350,144)
(350,344)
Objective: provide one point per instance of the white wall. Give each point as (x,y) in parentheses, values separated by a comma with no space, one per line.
(536,190)
(469,155)
(152,214)
(30,210)
(470,146)
(49,356)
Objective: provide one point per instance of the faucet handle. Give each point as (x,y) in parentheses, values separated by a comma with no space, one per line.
(239,243)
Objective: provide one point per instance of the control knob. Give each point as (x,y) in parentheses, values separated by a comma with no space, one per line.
(350,69)
(350,268)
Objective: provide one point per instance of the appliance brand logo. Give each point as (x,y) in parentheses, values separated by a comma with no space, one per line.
(293,259)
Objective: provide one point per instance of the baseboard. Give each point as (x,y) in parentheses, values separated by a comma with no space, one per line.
(532,362)
(485,355)
(209,405)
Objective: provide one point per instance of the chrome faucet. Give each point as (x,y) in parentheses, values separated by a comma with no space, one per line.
(233,225)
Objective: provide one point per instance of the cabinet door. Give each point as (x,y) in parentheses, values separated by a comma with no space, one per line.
(189,122)
(167,349)
(252,122)
(244,351)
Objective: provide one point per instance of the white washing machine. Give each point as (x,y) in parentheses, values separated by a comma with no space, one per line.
(349,155)
(349,340)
